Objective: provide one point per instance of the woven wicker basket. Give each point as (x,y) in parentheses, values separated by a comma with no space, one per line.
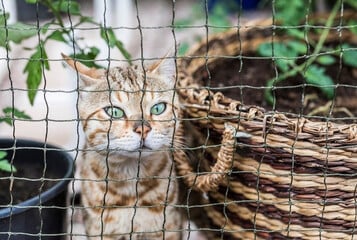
(267,175)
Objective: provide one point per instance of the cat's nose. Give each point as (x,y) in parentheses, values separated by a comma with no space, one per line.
(143,128)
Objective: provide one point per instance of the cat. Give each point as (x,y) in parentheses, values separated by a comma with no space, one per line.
(130,117)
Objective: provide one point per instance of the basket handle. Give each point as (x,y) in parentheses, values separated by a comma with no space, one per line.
(209,181)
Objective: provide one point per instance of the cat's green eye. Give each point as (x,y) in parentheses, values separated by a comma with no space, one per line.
(114,112)
(158,108)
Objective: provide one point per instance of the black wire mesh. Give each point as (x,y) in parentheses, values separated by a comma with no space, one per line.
(300,64)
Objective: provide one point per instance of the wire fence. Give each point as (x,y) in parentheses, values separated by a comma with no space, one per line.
(178,119)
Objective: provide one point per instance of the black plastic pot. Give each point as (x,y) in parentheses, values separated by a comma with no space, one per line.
(43,216)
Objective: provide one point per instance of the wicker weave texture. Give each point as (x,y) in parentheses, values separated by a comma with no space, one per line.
(288,176)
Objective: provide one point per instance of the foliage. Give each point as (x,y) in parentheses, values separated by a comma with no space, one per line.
(218,18)
(12,113)
(9,115)
(292,57)
(14,32)
(55,29)
(291,12)
(4,164)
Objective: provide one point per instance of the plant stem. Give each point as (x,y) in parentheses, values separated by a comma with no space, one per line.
(324,34)
(58,17)
(300,68)
(55,12)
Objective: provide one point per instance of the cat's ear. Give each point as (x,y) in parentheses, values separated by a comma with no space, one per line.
(165,67)
(88,75)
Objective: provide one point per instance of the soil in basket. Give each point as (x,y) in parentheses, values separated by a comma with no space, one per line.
(246,83)
(26,184)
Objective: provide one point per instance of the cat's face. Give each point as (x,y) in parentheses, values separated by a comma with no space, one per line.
(128,110)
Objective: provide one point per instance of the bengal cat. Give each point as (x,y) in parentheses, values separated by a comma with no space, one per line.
(130,117)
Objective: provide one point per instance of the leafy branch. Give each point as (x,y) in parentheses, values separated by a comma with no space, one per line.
(55,29)
(286,54)
(9,114)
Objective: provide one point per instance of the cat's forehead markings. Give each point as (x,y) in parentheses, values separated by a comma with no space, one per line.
(127,77)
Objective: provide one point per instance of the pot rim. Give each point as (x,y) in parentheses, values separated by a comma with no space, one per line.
(49,193)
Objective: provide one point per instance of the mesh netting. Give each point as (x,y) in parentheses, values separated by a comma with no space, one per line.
(267,93)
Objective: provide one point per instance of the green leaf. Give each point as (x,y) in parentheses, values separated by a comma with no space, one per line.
(57,36)
(297,33)
(6,119)
(108,35)
(11,113)
(3,17)
(182,24)
(34,70)
(316,76)
(284,55)
(3,154)
(6,166)
(85,19)
(45,27)
(87,57)
(352,24)
(219,17)
(298,47)
(183,48)
(326,60)
(20,31)
(353,3)
(16,33)
(291,12)
(349,56)
(70,7)
(123,51)
(31,1)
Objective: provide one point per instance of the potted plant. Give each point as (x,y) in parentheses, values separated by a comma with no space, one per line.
(39,169)
(33,198)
